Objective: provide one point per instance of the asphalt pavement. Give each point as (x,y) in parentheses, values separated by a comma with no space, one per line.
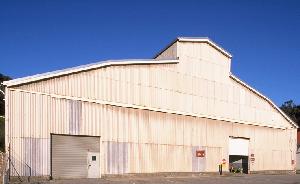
(232,179)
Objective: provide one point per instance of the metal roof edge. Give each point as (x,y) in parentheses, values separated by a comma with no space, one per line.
(265,98)
(82,68)
(195,39)
(205,40)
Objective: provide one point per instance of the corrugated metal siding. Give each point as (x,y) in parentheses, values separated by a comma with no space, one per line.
(117,157)
(69,155)
(198,163)
(214,158)
(35,153)
(75,117)
(200,83)
(149,158)
(151,141)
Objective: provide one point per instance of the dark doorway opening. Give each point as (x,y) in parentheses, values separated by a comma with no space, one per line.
(238,164)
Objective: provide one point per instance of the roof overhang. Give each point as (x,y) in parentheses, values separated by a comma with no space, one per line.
(82,68)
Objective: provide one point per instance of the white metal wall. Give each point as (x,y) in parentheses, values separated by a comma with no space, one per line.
(135,140)
(200,83)
(140,140)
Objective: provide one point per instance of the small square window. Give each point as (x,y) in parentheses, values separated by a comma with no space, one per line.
(93,158)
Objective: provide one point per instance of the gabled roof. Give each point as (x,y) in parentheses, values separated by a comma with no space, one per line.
(199,40)
(265,98)
(87,67)
(109,63)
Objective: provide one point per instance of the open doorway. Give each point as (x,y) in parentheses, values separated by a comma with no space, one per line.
(238,163)
(238,154)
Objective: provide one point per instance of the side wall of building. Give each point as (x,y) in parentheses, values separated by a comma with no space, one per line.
(134,140)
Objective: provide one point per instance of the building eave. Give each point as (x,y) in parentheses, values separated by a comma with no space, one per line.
(108,63)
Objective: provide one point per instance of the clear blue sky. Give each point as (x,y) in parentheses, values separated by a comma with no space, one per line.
(263,36)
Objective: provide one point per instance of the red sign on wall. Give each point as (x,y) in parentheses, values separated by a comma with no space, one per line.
(200,153)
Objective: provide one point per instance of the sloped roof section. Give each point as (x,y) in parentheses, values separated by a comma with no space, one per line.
(265,98)
(108,63)
(199,40)
(82,68)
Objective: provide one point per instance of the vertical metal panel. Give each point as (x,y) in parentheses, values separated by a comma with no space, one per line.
(75,117)
(213,158)
(198,163)
(117,157)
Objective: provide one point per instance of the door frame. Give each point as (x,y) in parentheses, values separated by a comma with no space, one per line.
(97,160)
(51,146)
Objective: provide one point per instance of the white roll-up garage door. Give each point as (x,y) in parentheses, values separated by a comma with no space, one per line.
(238,146)
(70,154)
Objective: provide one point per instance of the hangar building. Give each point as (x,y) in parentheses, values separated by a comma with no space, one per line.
(183,111)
